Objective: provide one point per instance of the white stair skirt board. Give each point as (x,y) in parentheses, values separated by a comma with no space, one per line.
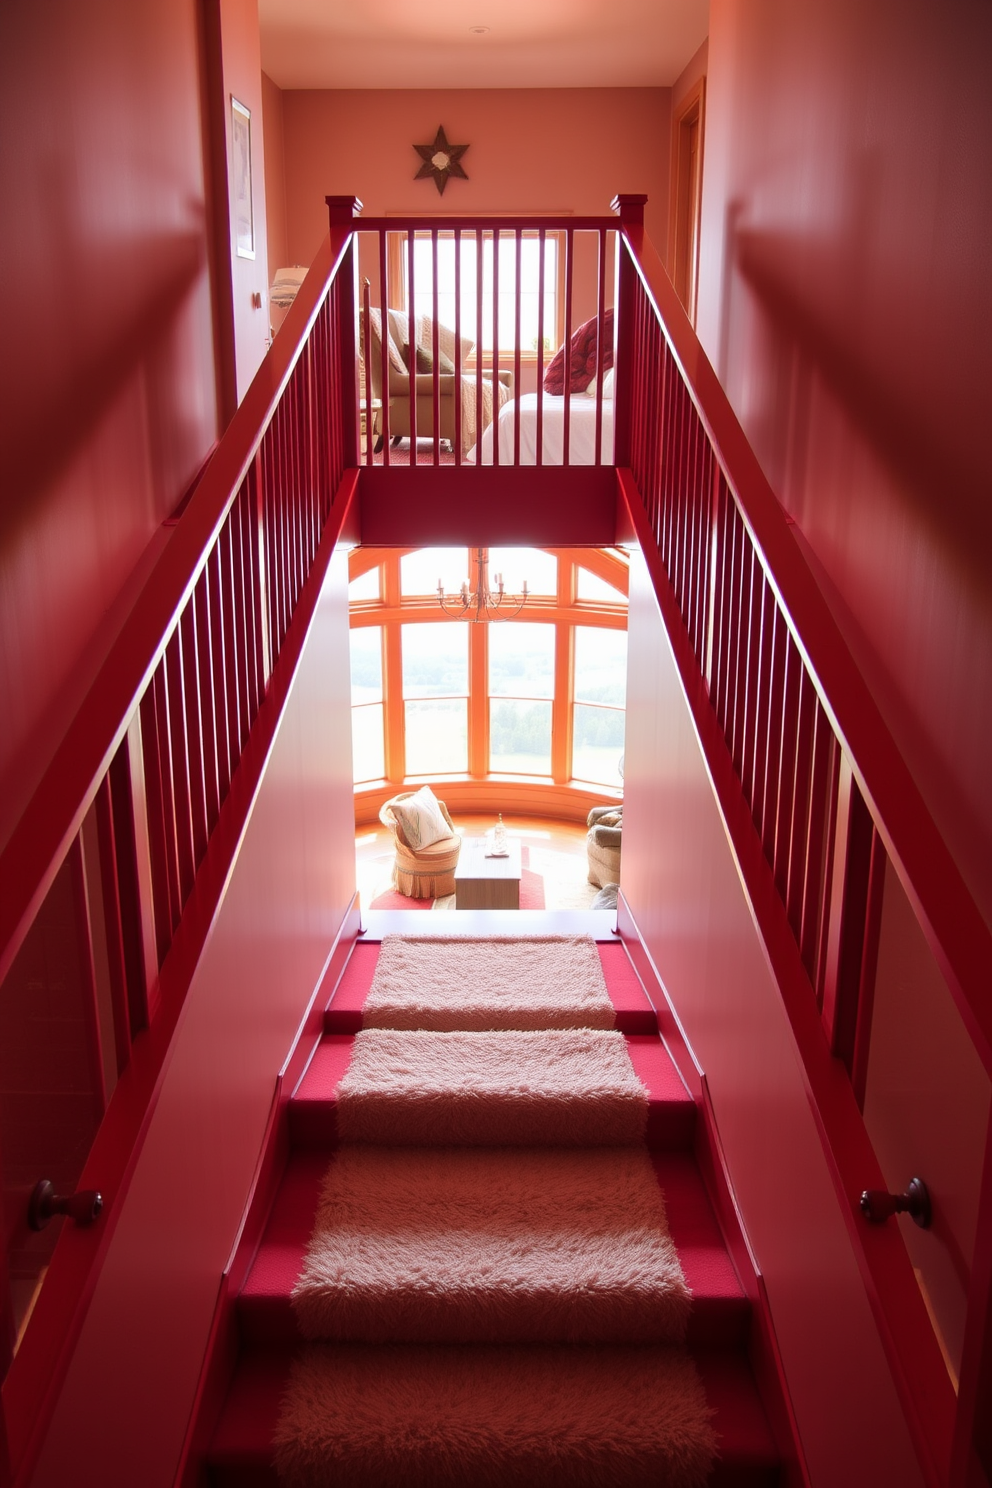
(552,1087)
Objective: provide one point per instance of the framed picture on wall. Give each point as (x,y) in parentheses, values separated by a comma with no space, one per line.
(244,222)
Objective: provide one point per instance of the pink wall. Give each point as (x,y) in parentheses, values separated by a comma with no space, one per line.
(693,70)
(845,299)
(242,79)
(277,240)
(127,1398)
(531,150)
(107,396)
(680,880)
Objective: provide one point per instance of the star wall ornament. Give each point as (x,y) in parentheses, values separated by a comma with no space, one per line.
(440,161)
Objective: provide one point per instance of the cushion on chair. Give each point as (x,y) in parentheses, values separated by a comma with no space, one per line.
(421,819)
(425,361)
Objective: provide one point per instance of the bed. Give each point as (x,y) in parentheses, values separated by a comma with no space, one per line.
(581,432)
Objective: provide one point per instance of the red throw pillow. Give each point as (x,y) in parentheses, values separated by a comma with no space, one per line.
(581,357)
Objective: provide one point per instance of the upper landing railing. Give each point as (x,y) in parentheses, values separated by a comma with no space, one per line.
(813,790)
(458,328)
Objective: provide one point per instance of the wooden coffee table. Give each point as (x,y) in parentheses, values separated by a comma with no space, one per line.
(487,883)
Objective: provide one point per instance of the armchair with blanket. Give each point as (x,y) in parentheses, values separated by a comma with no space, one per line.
(398,395)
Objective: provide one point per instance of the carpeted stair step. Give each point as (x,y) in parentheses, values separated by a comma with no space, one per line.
(483,1315)
(482,1245)
(461,1112)
(632,1010)
(718,1318)
(241,1453)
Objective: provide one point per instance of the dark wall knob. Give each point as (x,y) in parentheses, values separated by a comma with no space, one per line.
(877,1206)
(83,1207)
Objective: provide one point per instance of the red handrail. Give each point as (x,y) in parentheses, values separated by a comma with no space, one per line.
(810,784)
(173,736)
(52,817)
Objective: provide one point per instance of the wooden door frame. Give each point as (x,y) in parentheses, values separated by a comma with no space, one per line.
(686,196)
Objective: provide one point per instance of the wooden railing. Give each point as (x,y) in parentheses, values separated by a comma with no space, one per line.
(170,744)
(814,793)
(171,741)
(566,280)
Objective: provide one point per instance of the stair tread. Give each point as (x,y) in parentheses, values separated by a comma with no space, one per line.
(240,1453)
(720,1309)
(671,1110)
(634,1011)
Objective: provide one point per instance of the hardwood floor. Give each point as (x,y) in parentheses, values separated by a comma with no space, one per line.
(557,851)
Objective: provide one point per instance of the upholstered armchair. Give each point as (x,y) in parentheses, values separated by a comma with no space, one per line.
(397,398)
(420,871)
(603,844)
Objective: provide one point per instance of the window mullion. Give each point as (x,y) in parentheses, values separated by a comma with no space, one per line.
(392,676)
(561,707)
(478,700)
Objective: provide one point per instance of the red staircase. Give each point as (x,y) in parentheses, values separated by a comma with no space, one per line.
(720,1322)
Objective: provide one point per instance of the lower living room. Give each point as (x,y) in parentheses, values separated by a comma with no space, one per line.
(491,683)
(556,861)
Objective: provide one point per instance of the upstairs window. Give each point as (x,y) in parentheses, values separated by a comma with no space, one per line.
(530,296)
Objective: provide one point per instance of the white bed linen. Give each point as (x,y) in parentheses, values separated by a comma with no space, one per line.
(581,432)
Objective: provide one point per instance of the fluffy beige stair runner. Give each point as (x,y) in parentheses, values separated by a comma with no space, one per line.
(490,1288)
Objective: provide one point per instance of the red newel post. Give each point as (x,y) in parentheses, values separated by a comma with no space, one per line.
(342,211)
(630,210)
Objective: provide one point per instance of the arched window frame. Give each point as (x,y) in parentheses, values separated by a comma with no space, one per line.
(478,788)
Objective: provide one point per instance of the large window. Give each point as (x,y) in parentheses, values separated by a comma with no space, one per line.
(530,296)
(521,689)
(435,698)
(539,696)
(367,739)
(598,711)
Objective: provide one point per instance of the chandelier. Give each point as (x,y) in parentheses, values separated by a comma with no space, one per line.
(482,604)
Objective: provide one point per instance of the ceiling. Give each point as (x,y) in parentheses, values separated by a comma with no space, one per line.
(431,44)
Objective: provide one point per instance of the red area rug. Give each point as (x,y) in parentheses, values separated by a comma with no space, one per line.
(400,454)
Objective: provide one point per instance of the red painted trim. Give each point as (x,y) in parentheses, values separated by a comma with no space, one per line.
(32,1384)
(971,1463)
(868,970)
(508,223)
(913,1354)
(116,963)
(480,506)
(954,926)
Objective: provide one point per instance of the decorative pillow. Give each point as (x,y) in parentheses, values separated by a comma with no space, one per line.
(591,390)
(392,350)
(425,361)
(581,357)
(421,819)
